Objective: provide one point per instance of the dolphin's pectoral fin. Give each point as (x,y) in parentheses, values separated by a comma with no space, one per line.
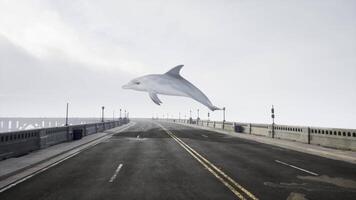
(155,98)
(175,71)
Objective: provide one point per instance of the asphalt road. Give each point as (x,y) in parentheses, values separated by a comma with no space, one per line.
(160,160)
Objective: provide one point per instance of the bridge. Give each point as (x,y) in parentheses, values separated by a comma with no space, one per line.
(178,159)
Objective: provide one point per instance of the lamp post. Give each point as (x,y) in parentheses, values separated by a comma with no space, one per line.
(190,116)
(120,113)
(224,109)
(272,115)
(67,114)
(198,114)
(102,113)
(125,114)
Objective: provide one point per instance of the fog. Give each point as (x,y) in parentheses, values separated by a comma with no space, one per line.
(244,55)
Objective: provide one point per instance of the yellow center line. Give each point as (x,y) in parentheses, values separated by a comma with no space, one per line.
(220,175)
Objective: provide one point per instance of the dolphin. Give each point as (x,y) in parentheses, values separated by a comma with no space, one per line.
(170,83)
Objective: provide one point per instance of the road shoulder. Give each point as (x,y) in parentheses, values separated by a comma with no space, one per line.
(335,154)
(16,169)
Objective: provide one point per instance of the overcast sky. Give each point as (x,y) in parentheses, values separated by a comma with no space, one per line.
(245,55)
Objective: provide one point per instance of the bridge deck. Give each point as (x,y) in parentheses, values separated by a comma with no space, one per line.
(160,160)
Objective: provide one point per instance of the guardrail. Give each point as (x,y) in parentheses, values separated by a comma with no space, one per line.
(18,143)
(329,137)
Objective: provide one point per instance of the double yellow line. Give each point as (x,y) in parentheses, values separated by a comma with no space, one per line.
(236,188)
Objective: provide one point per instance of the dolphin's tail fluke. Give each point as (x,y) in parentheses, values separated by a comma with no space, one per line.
(213,108)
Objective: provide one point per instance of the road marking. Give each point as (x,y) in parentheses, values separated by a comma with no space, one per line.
(220,175)
(138,136)
(204,135)
(37,172)
(295,167)
(75,152)
(115,173)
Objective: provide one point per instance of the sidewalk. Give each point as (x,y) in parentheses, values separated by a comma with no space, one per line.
(342,155)
(13,166)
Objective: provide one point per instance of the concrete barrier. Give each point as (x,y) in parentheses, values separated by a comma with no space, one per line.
(18,143)
(229,126)
(329,137)
(259,129)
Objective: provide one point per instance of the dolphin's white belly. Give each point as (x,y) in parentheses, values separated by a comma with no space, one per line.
(169,88)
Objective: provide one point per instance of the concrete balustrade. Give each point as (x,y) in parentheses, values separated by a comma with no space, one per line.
(21,142)
(328,137)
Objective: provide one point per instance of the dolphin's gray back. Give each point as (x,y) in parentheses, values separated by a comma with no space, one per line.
(191,91)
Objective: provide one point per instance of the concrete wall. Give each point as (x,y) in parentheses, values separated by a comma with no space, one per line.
(331,137)
(21,142)
(259,129)
(328,137)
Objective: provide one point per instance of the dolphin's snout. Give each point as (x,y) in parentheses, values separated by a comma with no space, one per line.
(125,86)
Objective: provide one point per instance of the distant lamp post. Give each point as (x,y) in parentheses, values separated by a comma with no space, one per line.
(208,116)
(198,114)
(102,113)
(190,116)
(125,116)
(120,113)
(67,114)
(224,110)
(272,115)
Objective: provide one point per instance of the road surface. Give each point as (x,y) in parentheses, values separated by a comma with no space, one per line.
(160,160)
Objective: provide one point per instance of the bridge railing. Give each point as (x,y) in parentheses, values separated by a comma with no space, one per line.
(328,137)
(17,143)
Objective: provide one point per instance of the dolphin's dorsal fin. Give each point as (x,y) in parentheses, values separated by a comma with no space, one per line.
(175,71)
(155,98)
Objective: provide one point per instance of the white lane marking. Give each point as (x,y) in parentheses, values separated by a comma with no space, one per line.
(115,173)
(138,136)
(37,172)
(76,152)
(295,167)
(204,136)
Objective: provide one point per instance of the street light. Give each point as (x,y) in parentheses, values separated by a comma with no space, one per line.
(102,113)
(67,114)
(120,113)
(224,114)
(190,116)
(198,114)
(272,115)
